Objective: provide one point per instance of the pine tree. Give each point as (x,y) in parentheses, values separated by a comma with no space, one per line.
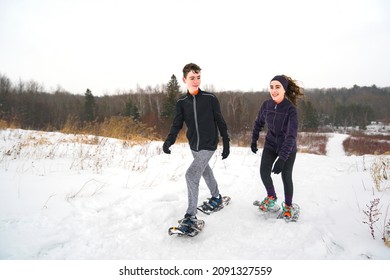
(131,110)
(89,106)
(169,104)
(310,116)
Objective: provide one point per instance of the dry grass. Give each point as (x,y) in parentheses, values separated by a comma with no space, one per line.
(3,124)
(6,124)
(360,144)
(123,128)
(132,132)
(307,142)
(312,143)
(84,152)
(380,170)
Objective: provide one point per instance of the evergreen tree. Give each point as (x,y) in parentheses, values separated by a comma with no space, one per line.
(309,116)
(169,105)
(131,110)
(89,106)
(5,94)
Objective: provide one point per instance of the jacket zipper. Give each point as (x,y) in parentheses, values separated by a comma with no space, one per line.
(276,136)
(196,124)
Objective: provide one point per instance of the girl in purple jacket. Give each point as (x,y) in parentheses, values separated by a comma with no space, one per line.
(280,115)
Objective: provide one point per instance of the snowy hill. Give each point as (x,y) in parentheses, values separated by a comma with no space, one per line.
(85,197)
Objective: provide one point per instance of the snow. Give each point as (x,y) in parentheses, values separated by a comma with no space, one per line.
(334,147)
(72,197)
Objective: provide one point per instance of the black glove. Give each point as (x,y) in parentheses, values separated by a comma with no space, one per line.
(254,147)
(278,166)
(166,146)
(226,149)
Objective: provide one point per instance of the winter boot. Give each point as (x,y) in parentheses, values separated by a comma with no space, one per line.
(269,204)
(213,203)
(286,211)
(188,224)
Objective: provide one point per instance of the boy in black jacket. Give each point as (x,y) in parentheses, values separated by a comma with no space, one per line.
(201,113)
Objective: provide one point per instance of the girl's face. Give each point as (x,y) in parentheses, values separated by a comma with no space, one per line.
(277,91)
(192,81)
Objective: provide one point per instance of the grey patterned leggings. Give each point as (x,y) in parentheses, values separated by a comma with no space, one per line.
(198,168)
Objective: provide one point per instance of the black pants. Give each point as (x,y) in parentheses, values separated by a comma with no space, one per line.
(267,160)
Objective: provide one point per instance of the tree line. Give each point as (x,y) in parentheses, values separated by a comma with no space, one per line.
(27,105)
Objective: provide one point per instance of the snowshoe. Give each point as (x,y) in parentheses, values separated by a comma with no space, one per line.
(267,205)
(214,204)
(188,226)
(289,213)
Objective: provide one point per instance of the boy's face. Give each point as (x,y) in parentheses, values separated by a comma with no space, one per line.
(192,81)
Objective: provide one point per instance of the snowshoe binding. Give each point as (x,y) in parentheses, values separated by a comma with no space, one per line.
(289,213)
(214,204)
(267,205)
(188,226)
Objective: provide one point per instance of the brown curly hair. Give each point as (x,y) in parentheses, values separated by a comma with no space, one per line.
(293,91)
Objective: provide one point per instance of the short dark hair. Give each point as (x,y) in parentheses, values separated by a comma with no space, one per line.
(190,67)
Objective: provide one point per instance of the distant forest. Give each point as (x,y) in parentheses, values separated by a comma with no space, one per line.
(26,105)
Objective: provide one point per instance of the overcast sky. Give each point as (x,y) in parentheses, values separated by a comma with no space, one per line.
(110,46)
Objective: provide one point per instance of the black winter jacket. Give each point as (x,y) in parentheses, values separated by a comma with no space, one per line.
(282,123)
(202,115)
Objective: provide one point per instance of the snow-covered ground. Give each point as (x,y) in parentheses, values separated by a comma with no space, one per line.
(68,197)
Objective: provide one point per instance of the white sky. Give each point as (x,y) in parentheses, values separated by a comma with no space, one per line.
(115,45)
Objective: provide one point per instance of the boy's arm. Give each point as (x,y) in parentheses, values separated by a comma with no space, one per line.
(177,125)
(221,124)
(222,127)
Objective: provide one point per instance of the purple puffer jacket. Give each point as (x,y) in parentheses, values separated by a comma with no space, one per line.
(282,123)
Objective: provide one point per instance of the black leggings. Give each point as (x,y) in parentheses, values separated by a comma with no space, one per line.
(267,160)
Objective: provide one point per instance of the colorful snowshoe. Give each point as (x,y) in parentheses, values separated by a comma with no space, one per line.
(289,213)
(267,205)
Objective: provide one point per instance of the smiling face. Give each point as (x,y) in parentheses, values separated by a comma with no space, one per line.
(192,81)
(277,91)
